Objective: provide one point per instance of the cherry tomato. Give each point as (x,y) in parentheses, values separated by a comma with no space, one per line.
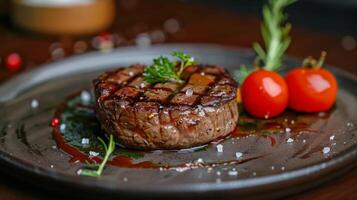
(311,89)
(264,94)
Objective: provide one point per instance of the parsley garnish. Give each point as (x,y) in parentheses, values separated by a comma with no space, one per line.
(276,38)
(94,169)
(163,70)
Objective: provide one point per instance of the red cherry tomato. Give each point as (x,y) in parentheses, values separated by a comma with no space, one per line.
(311,89)
(264,94)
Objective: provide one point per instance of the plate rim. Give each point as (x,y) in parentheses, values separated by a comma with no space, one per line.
(337,162)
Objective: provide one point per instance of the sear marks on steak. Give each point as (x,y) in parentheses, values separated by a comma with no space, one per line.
(166,115)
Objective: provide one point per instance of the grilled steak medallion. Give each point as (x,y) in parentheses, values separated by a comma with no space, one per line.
(166,115)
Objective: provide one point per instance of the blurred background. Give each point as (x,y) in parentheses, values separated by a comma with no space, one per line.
(36,32)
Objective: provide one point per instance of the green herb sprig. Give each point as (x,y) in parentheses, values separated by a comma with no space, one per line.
(94,169)
(275,33)
(163,70)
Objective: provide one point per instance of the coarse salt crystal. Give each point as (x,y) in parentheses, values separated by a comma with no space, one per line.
(219,148)
(290,140)
(189,92)
(200,160)
(131,73)
(218,173)
(239,155)
(85,141)
(85,97)
(288,130)
(62,127)
(34,103)
(326,150)
(332,137)
(93,153)
(233,173)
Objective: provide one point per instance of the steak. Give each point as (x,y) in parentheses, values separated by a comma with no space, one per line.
(168,115)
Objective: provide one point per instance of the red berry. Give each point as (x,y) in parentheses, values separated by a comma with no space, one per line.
(55,122)
(13,62)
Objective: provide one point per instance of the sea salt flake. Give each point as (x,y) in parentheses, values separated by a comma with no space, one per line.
(199,160)
(85,141)
(62,127)
(332,137)
(290,140)
(239,155)
(181,169)
(283,168)
(34,103)
(233,173)
(326,150)
(219,148)
(272,168)
(93,153)
(218,173)
(288,130)
(85,97)
(189,92)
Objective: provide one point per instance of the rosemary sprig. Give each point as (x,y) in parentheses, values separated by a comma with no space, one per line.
(163,70)
(275,35)
(97,169)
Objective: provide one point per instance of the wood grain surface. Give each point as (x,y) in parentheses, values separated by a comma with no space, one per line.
(197,24)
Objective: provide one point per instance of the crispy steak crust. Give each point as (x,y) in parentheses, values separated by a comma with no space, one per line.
(166,115)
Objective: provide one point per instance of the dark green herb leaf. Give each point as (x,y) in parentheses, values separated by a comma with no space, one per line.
(163,70)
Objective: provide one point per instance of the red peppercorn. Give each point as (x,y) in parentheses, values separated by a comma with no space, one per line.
(55,122)
(13,62)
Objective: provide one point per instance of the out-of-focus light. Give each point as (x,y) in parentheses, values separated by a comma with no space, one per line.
(13,62)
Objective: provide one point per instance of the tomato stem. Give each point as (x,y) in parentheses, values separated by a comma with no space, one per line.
(311,62)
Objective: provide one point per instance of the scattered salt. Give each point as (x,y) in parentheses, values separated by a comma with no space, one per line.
(218,173)
(125,179)
(290,140)
(85,97)
(200,160)
(142,85)
(62,127)
(283,168)
(233,172)
(326,150)
(51,166)
(254,173)
(239,155)
(93,153)
(189,92)
(79,172)
(288,130)
(272,168)
(131,73)
(332,137)
(34,103)
(304,141)
(85,141)
(219,148)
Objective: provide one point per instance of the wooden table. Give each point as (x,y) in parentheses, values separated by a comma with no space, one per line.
(197,24)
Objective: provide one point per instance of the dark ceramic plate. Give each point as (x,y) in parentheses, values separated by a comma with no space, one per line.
(275,160)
